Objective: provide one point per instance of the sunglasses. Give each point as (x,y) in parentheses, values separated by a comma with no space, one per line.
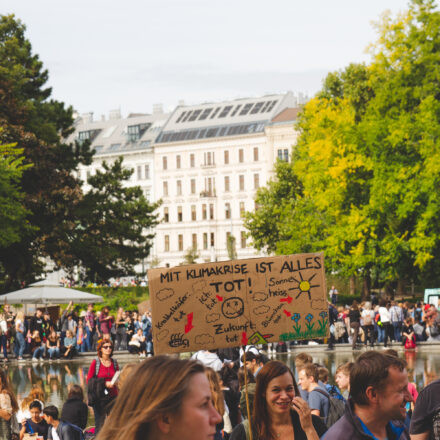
(107,346)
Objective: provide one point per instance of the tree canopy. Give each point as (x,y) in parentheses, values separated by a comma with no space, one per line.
(366,164)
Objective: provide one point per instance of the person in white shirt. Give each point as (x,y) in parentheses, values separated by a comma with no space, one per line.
(385,319)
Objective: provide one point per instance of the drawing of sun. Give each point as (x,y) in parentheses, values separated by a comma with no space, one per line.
(304,286)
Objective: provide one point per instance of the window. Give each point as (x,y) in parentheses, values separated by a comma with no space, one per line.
(215,112)
(209,158)
(179,214)
(193,213)
(180,240)
(205,114)
(139,172)
(211,211)
(255,154)
(178,161)
(241,155)
(256,181)
(147,171)
(241,182)
(209,186)
(193,186)
(166,215)
(225,111)
(165,188)
(226,157)
(227,210)
(192,160)
(243,239)
(167,243)
(194,241)
(283,155)
(256,108)
(227,184)
(135,132)
(205,240)
(212,239)
(204,212)
(242,209)
(246,109)
(164,163)
(179,187)
(194,115)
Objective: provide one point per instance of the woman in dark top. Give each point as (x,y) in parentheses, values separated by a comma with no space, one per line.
(355,322)
(408,334)
(279,412)
(36,424)
(74,410)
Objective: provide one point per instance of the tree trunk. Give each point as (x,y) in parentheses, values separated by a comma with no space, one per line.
(352,285)
(366,287)
(401,284)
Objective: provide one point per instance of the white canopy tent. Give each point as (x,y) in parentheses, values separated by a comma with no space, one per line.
(48,292)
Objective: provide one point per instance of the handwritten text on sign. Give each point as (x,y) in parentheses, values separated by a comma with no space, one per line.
(231,303)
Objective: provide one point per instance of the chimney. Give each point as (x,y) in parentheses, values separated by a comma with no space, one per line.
(114,114)
(87,117)
(157,109)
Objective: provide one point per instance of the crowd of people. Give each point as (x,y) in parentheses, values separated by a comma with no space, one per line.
(384,322)
(44,338)
(231,394)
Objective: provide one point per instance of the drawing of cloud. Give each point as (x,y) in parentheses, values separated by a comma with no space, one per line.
(204,339)
(164,294)
(319,304)
(199,286)
(261,310)
(162,334)
(212,317)
(260,296)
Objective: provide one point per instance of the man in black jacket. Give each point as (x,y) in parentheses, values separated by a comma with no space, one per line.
(64,430)
(376,408)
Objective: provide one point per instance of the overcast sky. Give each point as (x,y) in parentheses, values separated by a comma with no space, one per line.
(108,54)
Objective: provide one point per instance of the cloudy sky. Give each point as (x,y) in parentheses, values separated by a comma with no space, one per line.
(131,54)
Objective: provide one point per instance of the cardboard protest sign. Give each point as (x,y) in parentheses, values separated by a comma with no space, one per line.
(240,302)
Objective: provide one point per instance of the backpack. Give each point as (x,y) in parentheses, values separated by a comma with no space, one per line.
(368,320)
(336,408)
(76,428)
(96,386)
(436,426)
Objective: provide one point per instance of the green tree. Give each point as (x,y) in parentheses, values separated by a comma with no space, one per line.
(113,225)
(37,125)
(231,247)
(12,213)
(191,256)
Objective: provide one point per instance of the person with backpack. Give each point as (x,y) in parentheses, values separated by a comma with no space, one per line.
(378,396)
(102,388)
(59,429)
(367,316)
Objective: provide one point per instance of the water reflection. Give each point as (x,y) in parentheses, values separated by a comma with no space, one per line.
(424,367)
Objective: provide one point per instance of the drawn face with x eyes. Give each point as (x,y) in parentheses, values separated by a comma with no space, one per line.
(233,307)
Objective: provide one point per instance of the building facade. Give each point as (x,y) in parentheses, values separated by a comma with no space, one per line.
(204,162)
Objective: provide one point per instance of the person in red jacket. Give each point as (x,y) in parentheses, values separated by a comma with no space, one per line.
(104,367)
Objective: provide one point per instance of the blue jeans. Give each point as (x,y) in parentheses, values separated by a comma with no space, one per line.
(39,352)
(88,341)
(397,331)
(4,342)
(54,352)
(19,345)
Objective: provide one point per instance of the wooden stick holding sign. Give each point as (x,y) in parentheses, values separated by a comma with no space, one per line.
(239,302)
(246,393)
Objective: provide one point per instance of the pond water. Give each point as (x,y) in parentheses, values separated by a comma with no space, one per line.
(54,379)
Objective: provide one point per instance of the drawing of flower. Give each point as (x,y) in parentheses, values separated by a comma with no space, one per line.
(309,317)
(323,314)
(296,317)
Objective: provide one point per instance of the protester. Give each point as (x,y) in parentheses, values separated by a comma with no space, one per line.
(355,317)
(59,429)
(385,319)
(81,337)
(20,343)
(318,398)
(35,394)
(105,368)
(53,345)
(121,336)
(8,406)
(165,398)
(37,347)
(232,402)
(105,323)
(301,360)
(35,424)
(4,336)
(209,358)
(425,420)
(217,399)
(254,362)
(367,316)
(36,323)
(74,410)
(279,412)
(378,395)
(137,344)
(251,386)
(333,294)
(90,324)
(342,378)
(409,337)
(69,345)
(396,315)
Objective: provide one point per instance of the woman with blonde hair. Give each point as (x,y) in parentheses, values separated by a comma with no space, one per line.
(217,398)
(164,398)
(8,406)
